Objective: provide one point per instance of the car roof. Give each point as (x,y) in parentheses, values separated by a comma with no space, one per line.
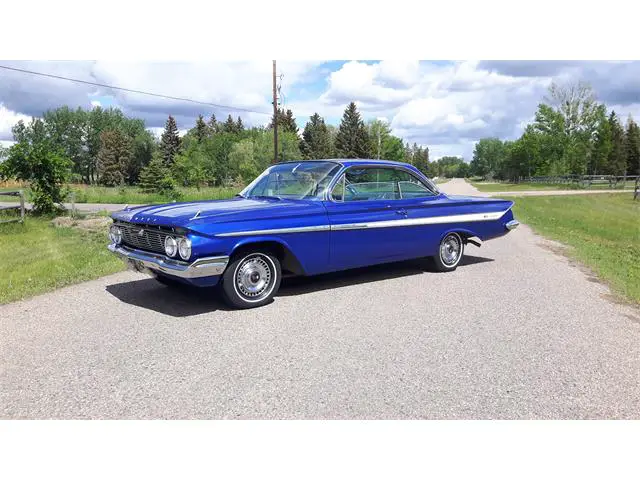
(348,162)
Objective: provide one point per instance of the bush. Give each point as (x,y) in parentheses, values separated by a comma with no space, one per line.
(44,168)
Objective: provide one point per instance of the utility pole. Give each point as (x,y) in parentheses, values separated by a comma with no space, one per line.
(275,116)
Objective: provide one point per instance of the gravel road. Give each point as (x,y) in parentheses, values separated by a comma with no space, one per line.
(517,331)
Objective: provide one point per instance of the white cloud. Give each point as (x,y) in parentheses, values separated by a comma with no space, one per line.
(445,105)
(8,119)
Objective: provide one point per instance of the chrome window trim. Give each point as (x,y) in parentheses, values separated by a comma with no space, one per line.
(328,197)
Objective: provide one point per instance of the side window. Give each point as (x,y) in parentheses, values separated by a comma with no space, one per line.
(411,187)
(370,184)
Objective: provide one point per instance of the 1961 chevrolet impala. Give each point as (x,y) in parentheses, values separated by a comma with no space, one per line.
(305,218)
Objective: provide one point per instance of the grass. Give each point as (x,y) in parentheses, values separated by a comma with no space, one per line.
(603,232)
(513,187)
(133,195)
(37,257)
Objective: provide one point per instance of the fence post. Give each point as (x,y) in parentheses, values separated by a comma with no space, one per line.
(21,206)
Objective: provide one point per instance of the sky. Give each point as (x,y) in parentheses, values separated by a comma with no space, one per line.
(445,105)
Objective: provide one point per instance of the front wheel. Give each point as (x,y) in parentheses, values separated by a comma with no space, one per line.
(449,253)
(251,280)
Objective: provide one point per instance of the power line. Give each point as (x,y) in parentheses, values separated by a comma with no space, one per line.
(141,92)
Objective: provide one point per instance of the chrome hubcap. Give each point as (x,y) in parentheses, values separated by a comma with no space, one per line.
(450,250)
(254,277)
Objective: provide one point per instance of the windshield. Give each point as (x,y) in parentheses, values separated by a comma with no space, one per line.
(302,180)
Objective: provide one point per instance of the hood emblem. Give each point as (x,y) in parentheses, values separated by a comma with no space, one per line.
(141,232)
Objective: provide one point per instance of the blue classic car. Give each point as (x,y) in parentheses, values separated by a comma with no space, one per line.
(305,218)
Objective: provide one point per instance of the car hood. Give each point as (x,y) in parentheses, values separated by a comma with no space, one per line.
(194,214)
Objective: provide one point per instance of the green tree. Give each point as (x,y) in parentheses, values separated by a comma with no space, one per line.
(286,121)
(170,142)
(213,124)
(201,129)
(156,178)
(603,144)
(190,167)
(384,144)
(239,126)
(34,158)
(316,139)
(242,155)
(229,126)
(488,157)
(352,139)
(632,147)
(114,157)
(617,164)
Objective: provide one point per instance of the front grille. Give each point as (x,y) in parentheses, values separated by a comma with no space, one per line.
(137,236)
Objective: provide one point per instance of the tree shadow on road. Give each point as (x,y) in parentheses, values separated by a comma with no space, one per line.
(185,301)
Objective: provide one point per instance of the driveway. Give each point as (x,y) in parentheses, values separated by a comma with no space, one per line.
(517,331)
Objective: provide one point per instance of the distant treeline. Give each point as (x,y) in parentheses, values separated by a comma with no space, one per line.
(572,134)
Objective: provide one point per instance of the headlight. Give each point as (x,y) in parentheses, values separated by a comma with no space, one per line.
(184,248)
(115,235)
(170,246)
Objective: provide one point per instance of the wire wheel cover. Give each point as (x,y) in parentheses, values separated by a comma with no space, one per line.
(450,250)
(254,277)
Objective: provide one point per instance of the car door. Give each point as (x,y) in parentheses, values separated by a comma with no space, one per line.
(422,206)
(363,210)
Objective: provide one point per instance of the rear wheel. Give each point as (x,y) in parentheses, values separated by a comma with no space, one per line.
(251,280)
(449,253)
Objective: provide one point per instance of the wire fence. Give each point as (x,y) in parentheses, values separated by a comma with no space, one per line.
(586,181)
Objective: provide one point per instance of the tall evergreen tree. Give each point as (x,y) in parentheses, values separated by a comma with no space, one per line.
(229,126)
(239,126)
(114,157)
(352,140)
(316,140)
(170,142)
(213,124)
(286,121)
(201,129)
(617,164)
(290,123)
(632,147)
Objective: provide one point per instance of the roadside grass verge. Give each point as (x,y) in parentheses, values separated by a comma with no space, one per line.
(133,195)
(36,257)
(512,187)
(603,232)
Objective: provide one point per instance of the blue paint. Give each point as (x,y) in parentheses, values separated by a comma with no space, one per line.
(329,249)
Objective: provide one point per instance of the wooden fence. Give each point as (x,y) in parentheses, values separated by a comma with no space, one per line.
(585,181)
(20,206)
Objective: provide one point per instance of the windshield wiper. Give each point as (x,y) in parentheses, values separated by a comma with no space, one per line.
(240,195)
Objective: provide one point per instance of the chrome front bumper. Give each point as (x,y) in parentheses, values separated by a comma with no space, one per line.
(512,224)
(147,262)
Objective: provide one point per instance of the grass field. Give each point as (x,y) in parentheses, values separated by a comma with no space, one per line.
(133,195)
(603,231)
(37,257)
(513,187)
